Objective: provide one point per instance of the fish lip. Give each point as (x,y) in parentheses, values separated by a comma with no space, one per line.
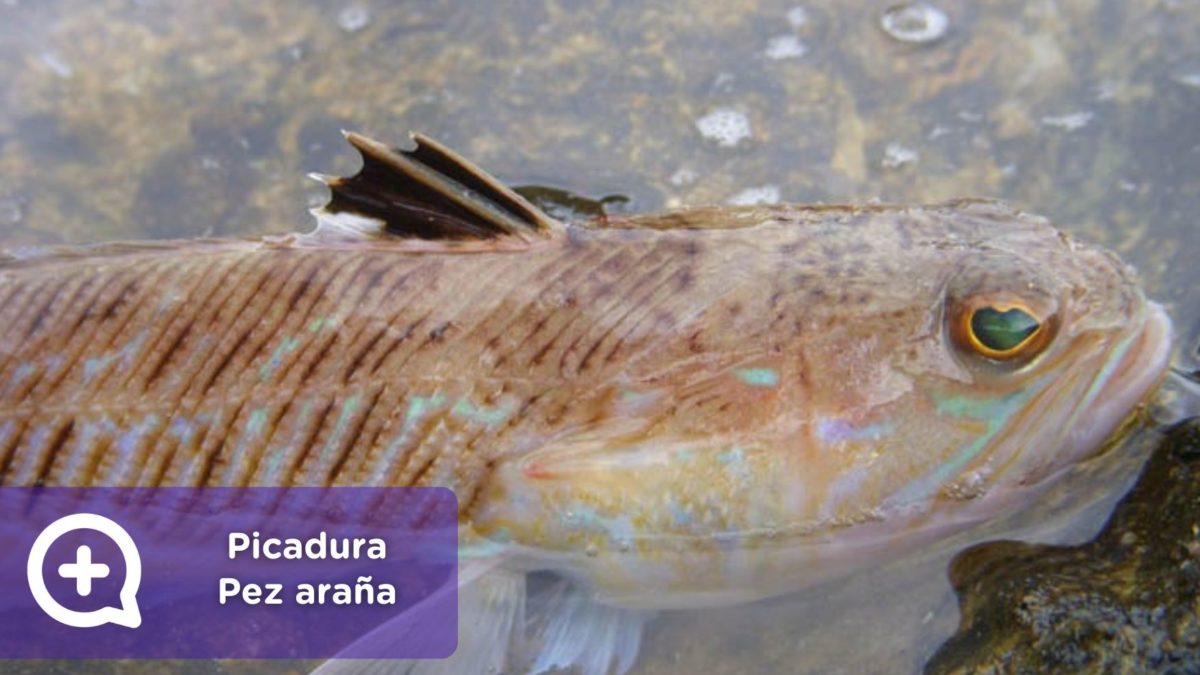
(1141,369)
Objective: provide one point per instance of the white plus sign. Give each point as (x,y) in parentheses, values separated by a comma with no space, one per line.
(83,570)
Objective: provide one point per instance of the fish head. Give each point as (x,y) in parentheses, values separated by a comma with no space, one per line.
(1040,349)
(882,382)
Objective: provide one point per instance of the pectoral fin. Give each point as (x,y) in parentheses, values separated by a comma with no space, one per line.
(491,609)
(570,630)
(500,631)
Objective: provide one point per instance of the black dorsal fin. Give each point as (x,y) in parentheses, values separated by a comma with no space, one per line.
(430,192)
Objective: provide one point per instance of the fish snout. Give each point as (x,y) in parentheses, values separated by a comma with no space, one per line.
(1135,367)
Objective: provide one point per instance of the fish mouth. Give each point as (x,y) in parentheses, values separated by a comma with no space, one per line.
(1123,387)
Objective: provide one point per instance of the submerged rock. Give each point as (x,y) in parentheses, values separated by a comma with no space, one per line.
(1128,601)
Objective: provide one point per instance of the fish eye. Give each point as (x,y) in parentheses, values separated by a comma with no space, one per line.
(1001,330)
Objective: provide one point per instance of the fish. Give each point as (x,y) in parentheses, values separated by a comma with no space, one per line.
(683,410)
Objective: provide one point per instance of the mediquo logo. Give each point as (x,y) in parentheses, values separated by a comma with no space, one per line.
(84,570)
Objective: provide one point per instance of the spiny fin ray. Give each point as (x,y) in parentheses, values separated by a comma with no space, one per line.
(430,192)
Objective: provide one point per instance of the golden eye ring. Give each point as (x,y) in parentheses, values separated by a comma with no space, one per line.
(1001,330)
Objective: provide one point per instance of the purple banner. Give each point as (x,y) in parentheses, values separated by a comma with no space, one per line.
(293,573)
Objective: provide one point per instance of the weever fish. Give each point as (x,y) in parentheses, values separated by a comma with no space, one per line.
(689,409)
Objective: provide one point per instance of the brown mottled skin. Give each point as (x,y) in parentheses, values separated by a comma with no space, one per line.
(208,333)
(546,329)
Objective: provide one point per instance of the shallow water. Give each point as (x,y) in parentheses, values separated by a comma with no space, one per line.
(133,119)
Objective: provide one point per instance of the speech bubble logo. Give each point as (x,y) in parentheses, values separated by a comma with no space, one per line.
(125,615)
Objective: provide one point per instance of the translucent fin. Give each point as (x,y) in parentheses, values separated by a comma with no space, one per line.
(570,630)
(559,627)
(490,605)
(429,192)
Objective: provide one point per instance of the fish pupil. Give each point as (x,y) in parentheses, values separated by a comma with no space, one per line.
(1002,331)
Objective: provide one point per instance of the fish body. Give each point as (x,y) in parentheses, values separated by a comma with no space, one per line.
(690,409)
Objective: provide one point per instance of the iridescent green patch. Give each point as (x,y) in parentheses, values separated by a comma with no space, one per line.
(1002,331)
